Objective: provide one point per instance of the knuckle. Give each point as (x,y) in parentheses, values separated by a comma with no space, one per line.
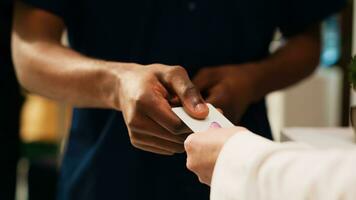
(133,122)
(135,139)
(143,101)
(175,71)
(135,143)
(178,69)
(139,98)
(189,164)
(188,143)
(149,77)
(143,94)
(139,104)
(156,66)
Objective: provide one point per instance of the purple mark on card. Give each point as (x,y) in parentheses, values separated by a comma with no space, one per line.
(215,125)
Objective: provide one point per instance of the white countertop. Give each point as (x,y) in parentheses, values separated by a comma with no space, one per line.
(321,137)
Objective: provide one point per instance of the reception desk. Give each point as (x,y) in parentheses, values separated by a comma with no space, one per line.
(321,137)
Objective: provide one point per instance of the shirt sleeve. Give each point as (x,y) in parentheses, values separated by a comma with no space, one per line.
(251,167)
(297,15)
(56,7)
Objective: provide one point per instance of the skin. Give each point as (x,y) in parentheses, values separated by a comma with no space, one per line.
(131,88)
(203,150)
(234,87)
(69,76)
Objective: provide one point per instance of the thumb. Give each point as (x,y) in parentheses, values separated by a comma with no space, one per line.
(193,103)
(187,93)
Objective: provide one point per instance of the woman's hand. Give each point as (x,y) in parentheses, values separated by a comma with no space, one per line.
(203,150)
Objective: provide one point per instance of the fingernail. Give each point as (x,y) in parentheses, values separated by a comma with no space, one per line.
(215,125)
(200,107)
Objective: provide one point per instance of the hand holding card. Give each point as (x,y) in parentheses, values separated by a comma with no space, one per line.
(214,117)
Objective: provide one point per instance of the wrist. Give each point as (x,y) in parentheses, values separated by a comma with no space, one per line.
(253,79)
(116,74)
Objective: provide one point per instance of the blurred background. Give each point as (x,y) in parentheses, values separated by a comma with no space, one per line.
(322,100)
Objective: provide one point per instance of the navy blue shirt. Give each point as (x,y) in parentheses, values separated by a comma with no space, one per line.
(100,162)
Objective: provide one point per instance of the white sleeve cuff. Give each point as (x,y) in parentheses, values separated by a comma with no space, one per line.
(235,162)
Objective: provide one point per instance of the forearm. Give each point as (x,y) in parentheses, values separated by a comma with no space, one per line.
(46,67)
(290,64)
(54,71)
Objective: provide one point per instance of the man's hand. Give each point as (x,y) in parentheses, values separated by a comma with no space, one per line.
(228,87)
(145,97)
(232,88)
(142,93)
(203,150)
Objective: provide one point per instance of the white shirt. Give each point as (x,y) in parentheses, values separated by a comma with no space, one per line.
(250,167)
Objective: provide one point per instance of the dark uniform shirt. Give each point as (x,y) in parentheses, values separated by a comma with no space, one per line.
(100,162)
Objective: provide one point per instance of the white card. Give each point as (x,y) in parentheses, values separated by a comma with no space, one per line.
(202,125)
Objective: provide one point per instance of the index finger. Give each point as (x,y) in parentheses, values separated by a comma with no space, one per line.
(161,112)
